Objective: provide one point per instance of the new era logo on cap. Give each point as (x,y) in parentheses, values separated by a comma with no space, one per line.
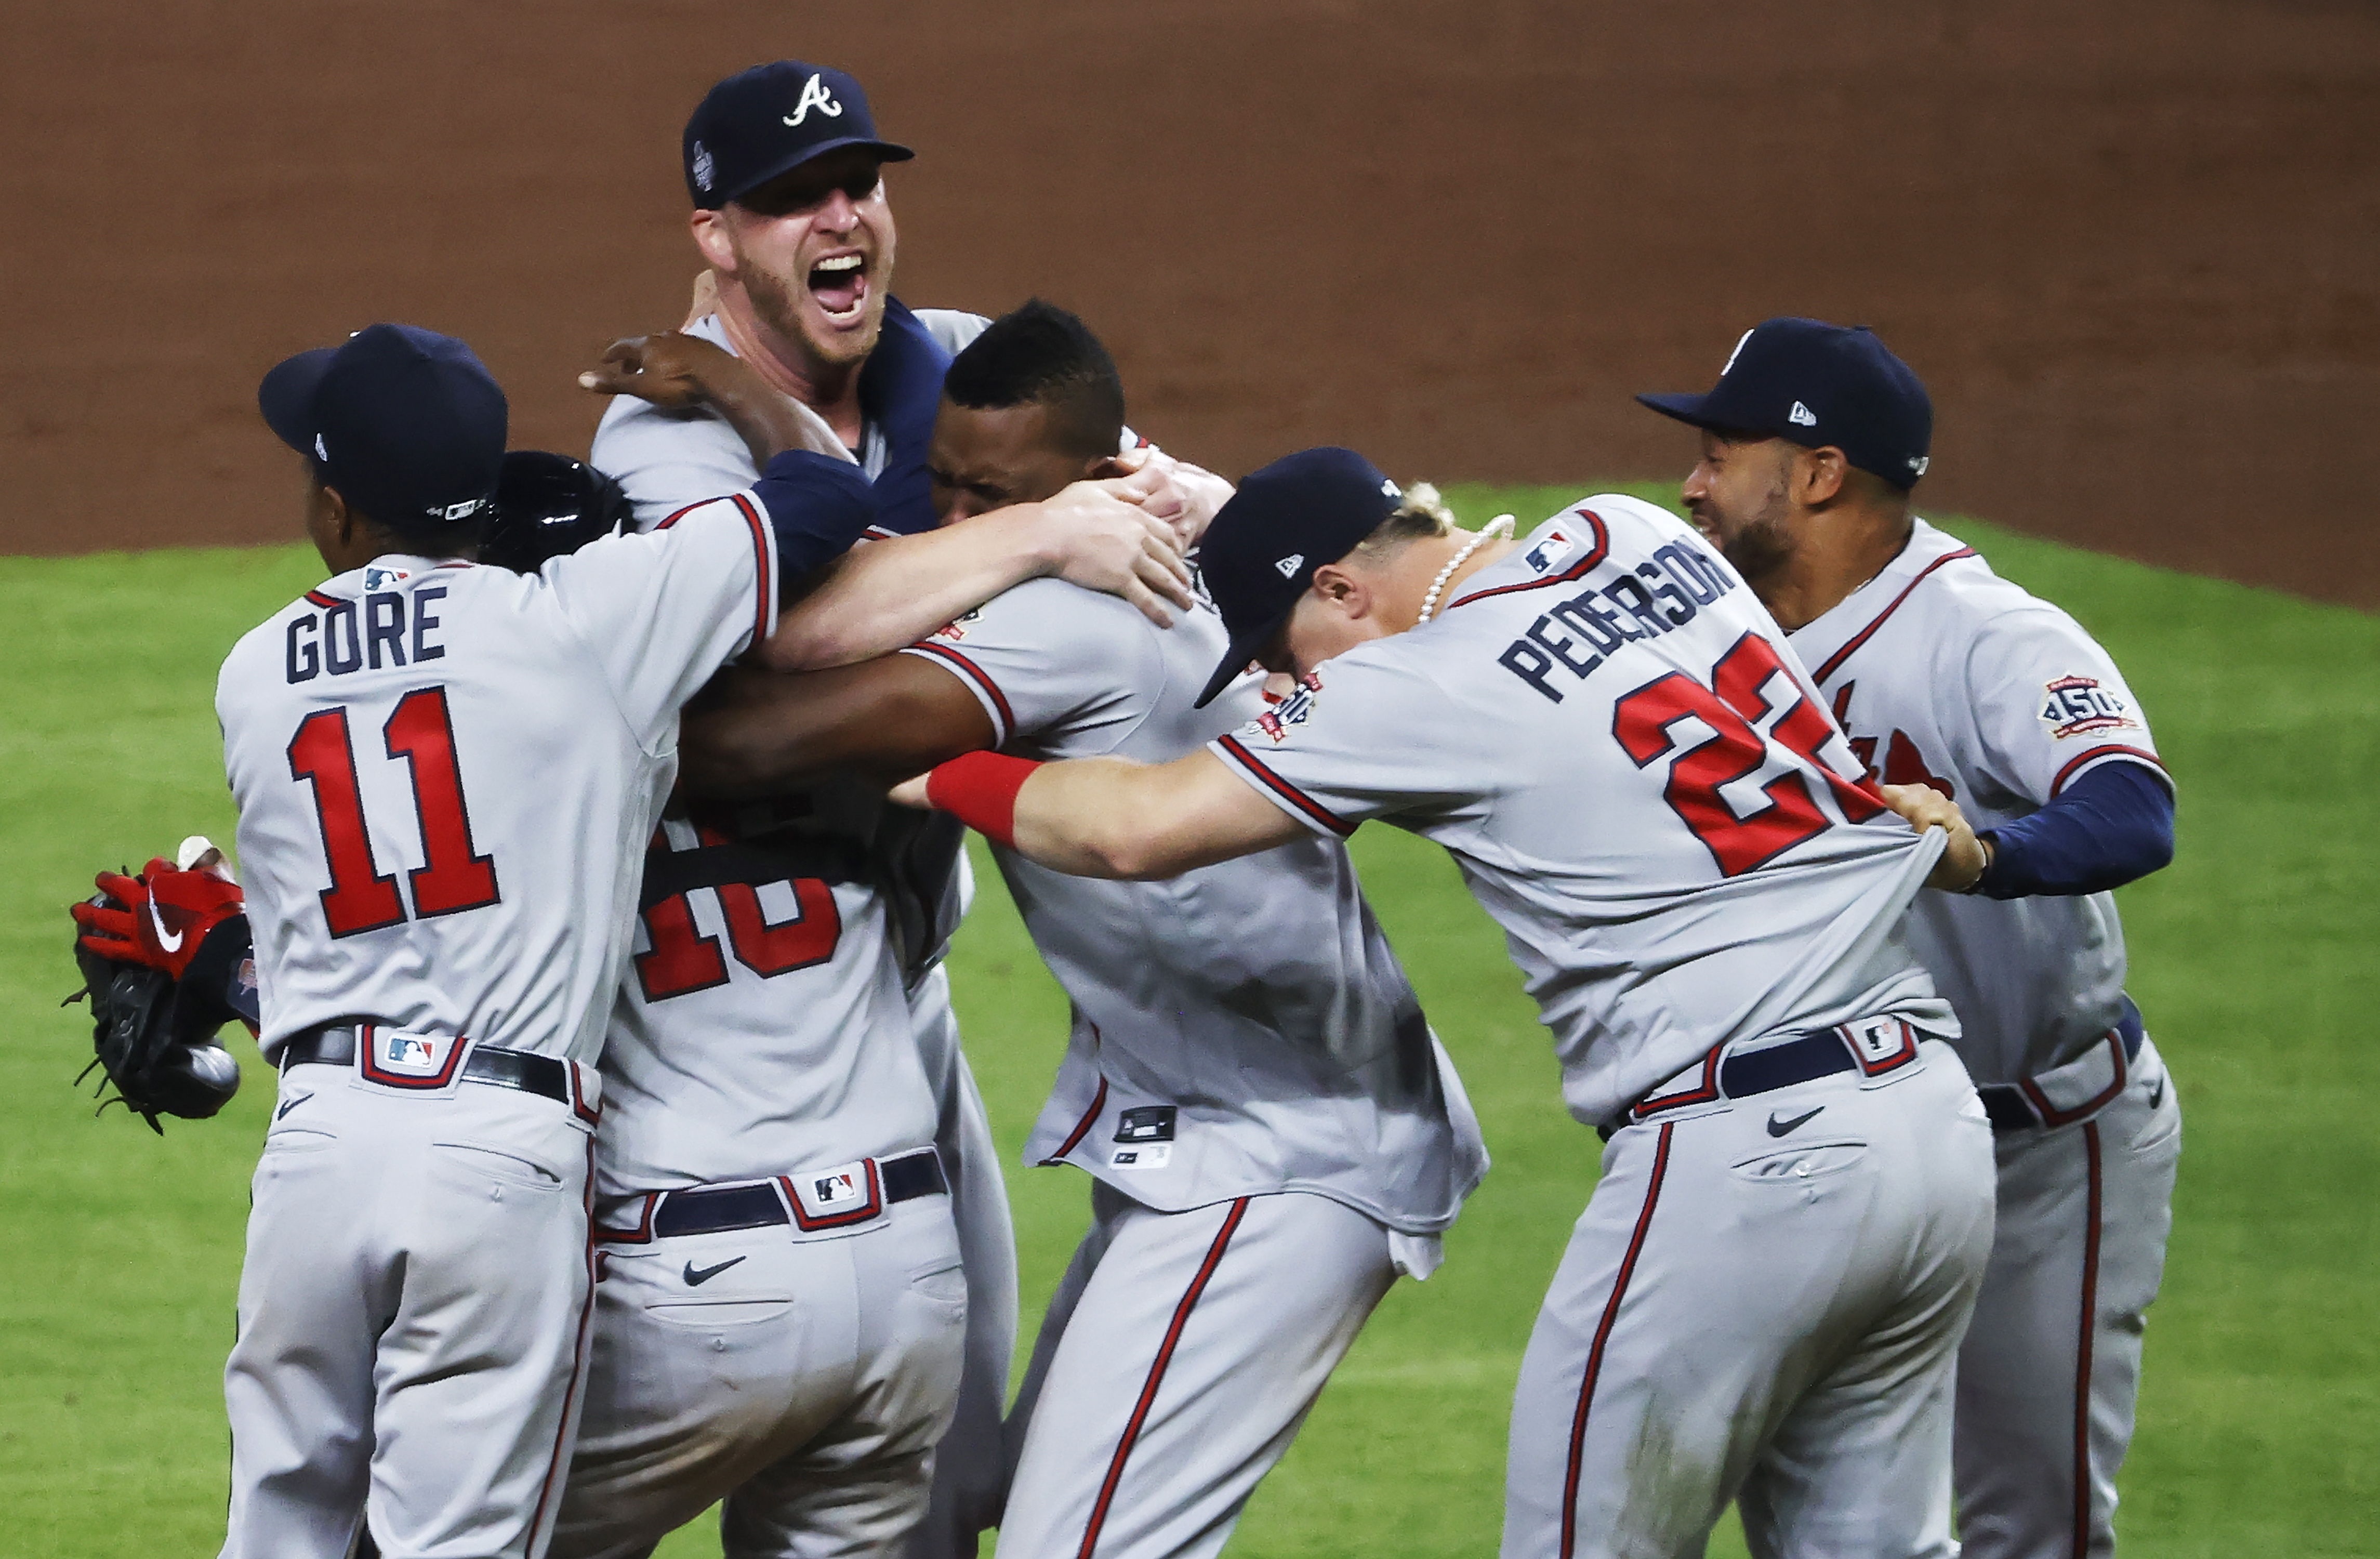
(1802,416)
(1290,566)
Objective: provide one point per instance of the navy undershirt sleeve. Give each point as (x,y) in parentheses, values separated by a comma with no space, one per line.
(817,506)
(2112,826)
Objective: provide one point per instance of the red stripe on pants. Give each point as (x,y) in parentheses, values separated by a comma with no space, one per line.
(1603,1336)
(1157,1377)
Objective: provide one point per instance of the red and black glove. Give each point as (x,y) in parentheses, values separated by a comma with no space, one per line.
(166,916)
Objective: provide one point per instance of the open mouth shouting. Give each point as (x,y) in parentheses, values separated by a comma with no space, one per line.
(840,287)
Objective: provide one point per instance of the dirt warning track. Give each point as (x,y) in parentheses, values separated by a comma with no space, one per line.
(2128,246)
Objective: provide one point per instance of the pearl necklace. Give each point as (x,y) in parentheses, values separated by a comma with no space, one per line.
(1496,528)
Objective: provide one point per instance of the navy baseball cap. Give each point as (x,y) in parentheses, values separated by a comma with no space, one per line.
(1818,384)
(406,424)
(765,121)
(1286,520)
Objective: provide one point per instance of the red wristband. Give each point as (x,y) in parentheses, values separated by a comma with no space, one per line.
(979,789)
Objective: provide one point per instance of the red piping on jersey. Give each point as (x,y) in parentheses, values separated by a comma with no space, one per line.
(2099,752)
(683,513)
(764,587)
(1157,1377)
(1603,1336)
(982,678)
(1839,656)
(2086,1334)
(1285,790)
(577,1362)
(1099,1102)
(318,599)
(1595,554)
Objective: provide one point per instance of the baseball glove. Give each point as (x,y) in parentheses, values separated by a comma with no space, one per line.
(155,989)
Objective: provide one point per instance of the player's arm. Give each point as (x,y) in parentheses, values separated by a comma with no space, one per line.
(1107,817)
(2054,722)
(896,590)
(1118,536)
(755,733)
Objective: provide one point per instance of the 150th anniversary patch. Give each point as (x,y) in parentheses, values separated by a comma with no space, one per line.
(2078,706)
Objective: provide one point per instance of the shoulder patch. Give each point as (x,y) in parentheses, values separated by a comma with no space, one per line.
(956,629)
(2075,705)
(1557,545)
(1291,711)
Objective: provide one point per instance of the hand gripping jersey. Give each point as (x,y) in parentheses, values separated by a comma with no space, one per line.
(1238,1029)
(1605,730)
(1946,674)
(446,775)
(762,1025)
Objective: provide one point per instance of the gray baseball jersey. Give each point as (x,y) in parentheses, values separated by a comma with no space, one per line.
(664,460)
(1238,1029)
(404,743)
(1637,781)
(705,1076)
(1638,786)
(1944,673)
(445,776)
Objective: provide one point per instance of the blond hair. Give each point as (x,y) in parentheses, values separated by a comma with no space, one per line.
(1422,514)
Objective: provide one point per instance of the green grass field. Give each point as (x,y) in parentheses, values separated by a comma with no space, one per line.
(2252,956)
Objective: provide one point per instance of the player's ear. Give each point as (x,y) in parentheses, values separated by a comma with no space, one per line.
(1341,591)
(1819,475)
(710,228)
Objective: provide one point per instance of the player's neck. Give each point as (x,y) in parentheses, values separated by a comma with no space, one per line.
(1851,550)
(831,390)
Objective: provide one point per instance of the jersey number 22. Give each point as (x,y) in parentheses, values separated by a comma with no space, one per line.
(452,878)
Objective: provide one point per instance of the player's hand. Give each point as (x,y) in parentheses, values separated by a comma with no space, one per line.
(1185,496)
(1923,806)
(1097,534)
(166,912)
(673,370)
(911,793)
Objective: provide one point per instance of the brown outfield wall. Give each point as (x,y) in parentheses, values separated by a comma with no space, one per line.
(2131,245)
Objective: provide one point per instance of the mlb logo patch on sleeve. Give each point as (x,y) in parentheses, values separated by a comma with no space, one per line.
(2075,705)
(1552,549)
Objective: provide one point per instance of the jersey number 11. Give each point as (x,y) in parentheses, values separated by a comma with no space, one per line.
(452,878)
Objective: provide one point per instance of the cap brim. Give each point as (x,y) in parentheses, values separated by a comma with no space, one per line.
(1688,409)
(286,396)
(1245,648)
(886,151)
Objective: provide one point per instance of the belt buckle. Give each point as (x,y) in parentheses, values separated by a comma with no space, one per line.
(414,1063)
(1880,1045)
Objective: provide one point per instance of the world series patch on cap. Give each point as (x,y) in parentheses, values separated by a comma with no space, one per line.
(1818,384)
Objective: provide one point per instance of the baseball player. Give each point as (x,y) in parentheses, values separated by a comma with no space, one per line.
(782,166)
(1764,1295)
(1949,675)
(445,777)
(1273,1133)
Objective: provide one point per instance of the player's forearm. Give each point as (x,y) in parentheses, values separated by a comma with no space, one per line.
(2112,826)
(756,734)
(892,593)
(1109,816)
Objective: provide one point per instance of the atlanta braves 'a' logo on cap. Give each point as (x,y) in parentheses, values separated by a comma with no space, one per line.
(814,95)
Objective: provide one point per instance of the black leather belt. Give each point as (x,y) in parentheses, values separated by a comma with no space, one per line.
(2011,1109)
(1799,1060)
(546,1076)
(711,1210)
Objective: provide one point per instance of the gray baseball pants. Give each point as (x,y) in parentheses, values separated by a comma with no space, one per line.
(1177,1361)
(1762,1302)
(802,1378)
(413,1314)
(2051,1367)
